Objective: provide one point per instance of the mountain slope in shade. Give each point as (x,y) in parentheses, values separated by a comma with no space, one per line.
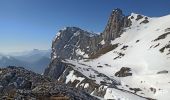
(134,64)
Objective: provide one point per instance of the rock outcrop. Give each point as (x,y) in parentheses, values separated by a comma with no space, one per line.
(116,23)
(123,72)
(14,78)
(55,69)
(17,83)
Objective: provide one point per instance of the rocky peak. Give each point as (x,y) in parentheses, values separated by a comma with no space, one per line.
(115,25)
(66,32)
(72,31)
(117,12)
(74,43)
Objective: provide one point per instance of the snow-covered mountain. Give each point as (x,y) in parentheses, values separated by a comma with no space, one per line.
(130,60)
(36,60)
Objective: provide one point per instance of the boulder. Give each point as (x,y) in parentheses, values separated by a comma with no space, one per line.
(123,72)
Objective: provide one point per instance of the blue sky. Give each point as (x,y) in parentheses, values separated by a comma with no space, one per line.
(29,24)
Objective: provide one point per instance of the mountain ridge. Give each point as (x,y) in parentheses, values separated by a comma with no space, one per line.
(123,54)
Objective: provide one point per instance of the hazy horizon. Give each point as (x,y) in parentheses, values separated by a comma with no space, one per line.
(12,53)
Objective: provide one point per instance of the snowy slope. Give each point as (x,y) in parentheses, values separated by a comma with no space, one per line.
(145,49)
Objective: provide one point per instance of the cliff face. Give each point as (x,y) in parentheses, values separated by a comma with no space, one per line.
(116,23)
(74,43)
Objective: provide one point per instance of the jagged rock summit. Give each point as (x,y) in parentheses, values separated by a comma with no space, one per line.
(74,43)
(116,24)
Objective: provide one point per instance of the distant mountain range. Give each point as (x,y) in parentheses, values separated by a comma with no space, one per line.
(35,60)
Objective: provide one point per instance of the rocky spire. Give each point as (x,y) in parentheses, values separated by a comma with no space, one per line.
(115,25)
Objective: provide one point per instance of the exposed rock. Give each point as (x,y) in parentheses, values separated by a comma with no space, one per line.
(55,69)
(103,50)
(80,84)
(137,41)
(116,23)
(53,90)
(100,66)
(74,43)
(131,17)
(167,46)
(13,78)
(162,72)
(135,89)
(156,45)
(153,90)
(124,47)
(17,83)
(124,71)
(139,17)
(144,21)
(167,30)
(162,36)
(119,55)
